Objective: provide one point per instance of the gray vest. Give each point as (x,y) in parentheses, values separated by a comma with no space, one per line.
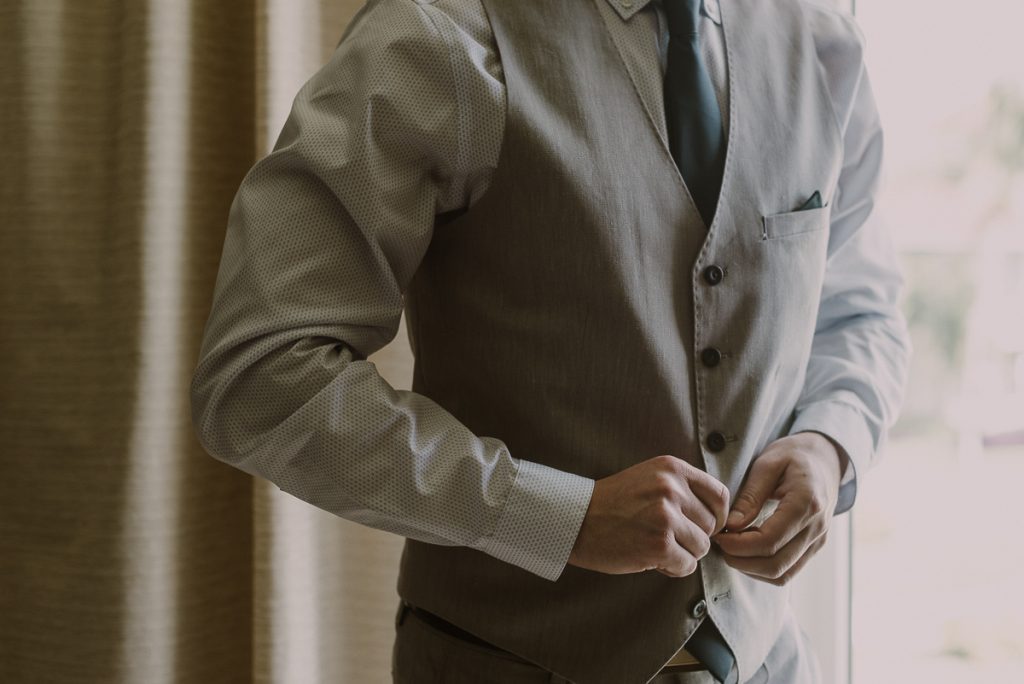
(565,313)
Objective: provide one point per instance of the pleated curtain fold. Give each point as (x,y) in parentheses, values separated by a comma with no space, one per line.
(127,554)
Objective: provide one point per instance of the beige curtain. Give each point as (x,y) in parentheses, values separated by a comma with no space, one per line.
(126,553)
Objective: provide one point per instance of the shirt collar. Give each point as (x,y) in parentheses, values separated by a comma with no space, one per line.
(627,8)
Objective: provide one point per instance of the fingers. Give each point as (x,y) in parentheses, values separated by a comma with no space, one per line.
(686,545)
(712,493)
(761,481)
(697,512)
(781,527)
(778,548)
(783,568)
(773,566)
(692,538)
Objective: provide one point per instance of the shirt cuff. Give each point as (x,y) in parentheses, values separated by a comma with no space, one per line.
(542,517)
(845,425)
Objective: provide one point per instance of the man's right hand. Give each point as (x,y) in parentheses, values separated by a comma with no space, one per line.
(657,514)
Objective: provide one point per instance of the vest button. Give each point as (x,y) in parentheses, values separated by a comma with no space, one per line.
(699,609)
(713,274)
(711,357)
(716,441)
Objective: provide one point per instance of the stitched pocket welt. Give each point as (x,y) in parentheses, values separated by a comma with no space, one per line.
(776,226)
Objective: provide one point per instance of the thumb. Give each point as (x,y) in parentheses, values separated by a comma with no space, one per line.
(761,481)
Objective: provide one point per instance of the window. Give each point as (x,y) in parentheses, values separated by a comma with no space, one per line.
(935,546)
(935,550)
(936,594)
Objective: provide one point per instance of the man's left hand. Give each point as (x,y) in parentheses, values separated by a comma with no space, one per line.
(803,472)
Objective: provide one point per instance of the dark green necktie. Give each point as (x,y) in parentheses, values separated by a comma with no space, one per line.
(692,116)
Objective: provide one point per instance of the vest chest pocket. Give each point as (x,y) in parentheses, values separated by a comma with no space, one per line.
(782,225)
(789,271)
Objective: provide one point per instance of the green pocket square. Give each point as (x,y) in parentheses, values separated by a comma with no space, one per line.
(813,202)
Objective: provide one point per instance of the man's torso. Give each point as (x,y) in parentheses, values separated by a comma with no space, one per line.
(566,312)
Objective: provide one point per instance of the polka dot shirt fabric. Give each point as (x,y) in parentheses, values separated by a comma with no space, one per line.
(403,122)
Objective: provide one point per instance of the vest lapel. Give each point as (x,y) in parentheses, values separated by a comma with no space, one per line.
(655,110)
(656,119)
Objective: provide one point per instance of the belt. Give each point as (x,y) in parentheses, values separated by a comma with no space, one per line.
(682,661)
(455,631)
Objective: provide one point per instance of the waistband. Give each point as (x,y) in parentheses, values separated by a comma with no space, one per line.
(682,661)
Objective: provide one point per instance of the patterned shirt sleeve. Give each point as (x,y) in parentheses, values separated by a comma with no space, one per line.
(323,237)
